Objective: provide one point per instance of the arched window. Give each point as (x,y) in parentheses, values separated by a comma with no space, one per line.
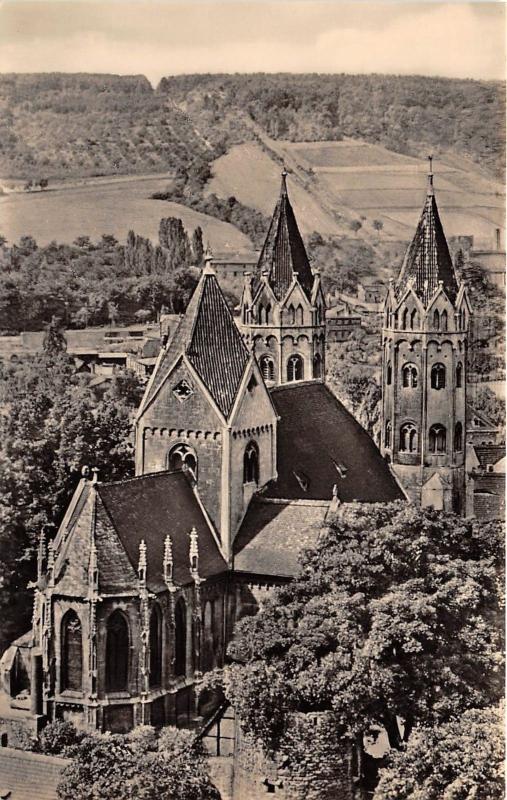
(291,315)
(295,368)
(408,438)
(443,320)
(436,320)
(183,457)
(155,647)
(404,322)
(180,638)
(414,319)
(387,434)
(389,374)
(117,653)
(437,439)
(267,366)
(396,320)
(458,437)
(72,653)
(317,366)
(409,376)
(299,315)
(268,314)
(251,463)
(208,649)
(260,314)
(459,375)
(438,376)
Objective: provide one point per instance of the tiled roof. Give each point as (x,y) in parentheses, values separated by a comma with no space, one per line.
(27,776)
(427,260)
(211,341)
(152,506)
(489,453)
(274,533)
(489,496)
(320,444)
(283,253)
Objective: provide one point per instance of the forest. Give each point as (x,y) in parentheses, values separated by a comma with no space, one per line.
(56,125)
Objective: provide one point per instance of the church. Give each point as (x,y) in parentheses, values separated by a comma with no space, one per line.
(242,451)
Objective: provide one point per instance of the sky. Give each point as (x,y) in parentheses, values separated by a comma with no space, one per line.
(465,40)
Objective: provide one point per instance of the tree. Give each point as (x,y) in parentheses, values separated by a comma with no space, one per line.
(139,765)
(355,225)
(197,247)
(394,621)
(54,342)
(378,224)
(458,760)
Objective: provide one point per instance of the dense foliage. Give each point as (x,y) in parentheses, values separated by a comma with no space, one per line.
(459,760)
(90,283)
(51,426)
(394,622)
(403,113)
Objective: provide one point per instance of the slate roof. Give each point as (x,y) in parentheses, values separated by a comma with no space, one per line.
(320,444)
(209,337)
(152,506)
(273,534)
(283,253)
(489,453)
(427,260)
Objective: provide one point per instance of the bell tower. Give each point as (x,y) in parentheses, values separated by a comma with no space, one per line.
(424,368)
(282,307)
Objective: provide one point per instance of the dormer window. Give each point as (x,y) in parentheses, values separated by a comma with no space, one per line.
(183,457)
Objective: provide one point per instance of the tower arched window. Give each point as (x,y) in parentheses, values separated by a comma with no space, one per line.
(295,368)
(404,320)
(260,314)
(317,365)
(267,366)
(438,376)
(458,437)
(299,315)
(155,647)
(409,376)
(72,653)
(117,653)
(437,439)
(459,375)
(251,463)
(408,438)
(180,637)
(387,434)
(291,315)
(389,374)
(443,320)
(268,314)
(414,320)
(436,319)
(181,456)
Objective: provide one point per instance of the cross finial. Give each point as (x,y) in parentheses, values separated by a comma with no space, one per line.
(208,261)
(430,174)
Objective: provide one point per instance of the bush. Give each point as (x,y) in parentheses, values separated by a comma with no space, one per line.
(59,738)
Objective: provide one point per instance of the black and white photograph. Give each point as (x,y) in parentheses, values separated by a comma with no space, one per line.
(252,399)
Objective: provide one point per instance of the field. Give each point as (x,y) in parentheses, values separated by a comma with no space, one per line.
(107,207)
(365,182)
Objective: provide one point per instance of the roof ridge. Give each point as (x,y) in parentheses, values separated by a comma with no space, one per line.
(132,478)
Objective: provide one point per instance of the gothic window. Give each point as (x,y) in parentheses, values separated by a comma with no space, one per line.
(389,374)
(251,463)
(72,653)
(267,366)
(208,650)
(409,376)
(182,457)
(387,434)
(404,322)
(299,315)
(155,647)
(295,368)
(268,314)
(117,653)
(291,315)
(438,376)
(436,320)
(408,438)
(180,638)
(459,375)
(317,366)
(458,437)
(437,439)
(414,320)
(260,313)
(443,320)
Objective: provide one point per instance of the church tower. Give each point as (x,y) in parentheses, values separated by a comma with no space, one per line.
(282,307)
(425,329)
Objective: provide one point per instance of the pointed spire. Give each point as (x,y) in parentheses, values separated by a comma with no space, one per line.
(141,569)
(168,561)
(194,553)
(283,185)
(430,191)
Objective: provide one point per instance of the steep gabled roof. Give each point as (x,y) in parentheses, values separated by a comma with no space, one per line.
(208,336)
(321,445)
(283,255)
(427,260)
